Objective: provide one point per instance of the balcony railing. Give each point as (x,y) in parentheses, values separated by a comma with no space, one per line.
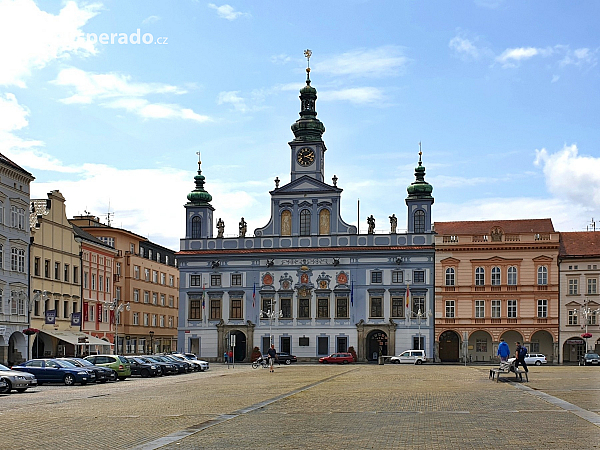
(449,288)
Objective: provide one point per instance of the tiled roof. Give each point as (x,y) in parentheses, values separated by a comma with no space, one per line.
(580,243)
(12,165)
(38,208)
(302,250)
(485,226)
(88,237)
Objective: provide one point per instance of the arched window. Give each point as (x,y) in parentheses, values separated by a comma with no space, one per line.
(419,222)
(542,275)
(305,222)
(495,276)
(479,276)
(450,276)
(196,227)
(286,223)
(512,276)
(324,218)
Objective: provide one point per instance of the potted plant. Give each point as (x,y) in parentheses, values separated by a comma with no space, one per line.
(353,353)
(30,331)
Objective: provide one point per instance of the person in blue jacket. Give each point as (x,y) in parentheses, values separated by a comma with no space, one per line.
(503,350)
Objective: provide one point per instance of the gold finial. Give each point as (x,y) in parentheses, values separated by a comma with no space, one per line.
(307,55)
(420,152)
(199,162)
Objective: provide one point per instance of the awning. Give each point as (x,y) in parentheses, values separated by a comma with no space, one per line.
(72,337)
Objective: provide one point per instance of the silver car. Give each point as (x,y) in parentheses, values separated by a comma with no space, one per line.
(19,381)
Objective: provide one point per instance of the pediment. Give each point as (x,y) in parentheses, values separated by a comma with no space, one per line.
(543,258)
(573,303)
(305,184)
(450,261)
(497,259)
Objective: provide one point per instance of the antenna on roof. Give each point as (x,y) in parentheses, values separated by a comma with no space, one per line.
(109,214)
(592,225)
(86,212)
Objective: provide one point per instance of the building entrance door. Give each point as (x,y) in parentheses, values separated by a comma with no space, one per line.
(286,345)
(376,341)
(342,344)
(240,346)
(449,346)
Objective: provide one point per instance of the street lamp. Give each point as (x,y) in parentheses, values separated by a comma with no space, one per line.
(151,342)
(272,314)
(114,306)
(585,313)
(420,316)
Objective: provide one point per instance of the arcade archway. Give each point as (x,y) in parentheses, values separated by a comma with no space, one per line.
(377,341)
(449,346)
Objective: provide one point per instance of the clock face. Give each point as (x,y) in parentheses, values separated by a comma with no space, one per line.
(305,156)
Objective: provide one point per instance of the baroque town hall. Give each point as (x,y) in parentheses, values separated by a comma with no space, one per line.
(307,281)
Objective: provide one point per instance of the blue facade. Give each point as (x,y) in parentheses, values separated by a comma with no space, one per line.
(330,288)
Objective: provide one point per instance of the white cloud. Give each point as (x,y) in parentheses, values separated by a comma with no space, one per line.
(150,19)
(555,78)
(579,57)
(227,12)
(233,99)
(12,115)
(118,91)
(359,95)
(280,59)
(516,54)
(379,62)
(32,38)
(464,48)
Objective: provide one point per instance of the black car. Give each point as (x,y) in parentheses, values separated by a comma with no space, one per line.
(103,374)
(166,368)
(286,358)
(182,367)
(142,368)
(590,359)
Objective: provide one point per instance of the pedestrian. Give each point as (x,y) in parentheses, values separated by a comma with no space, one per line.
(225,357)
(272,355)
(520,353)
(230,356)
(503,350)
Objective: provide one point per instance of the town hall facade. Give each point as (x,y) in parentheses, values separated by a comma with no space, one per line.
(307,281)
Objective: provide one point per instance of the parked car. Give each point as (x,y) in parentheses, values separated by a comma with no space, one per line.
(166,368)
(203,364)
(196,365)
(535,358)
(56,371)
(117,363)
(17,380)
(286,358)
(103,374)
(590,359)
(410,357)
(340,358)
(142,368)
(182,366)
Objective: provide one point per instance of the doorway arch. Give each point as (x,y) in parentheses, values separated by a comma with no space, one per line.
(17,348)
(377,341)
(240,345)
(573,349)
(449,346)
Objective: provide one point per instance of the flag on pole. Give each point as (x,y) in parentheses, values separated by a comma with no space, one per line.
(203,305)
(253,294)
(352,293)
(407,298)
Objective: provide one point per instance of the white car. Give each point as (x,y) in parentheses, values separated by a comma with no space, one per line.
(410,357)
(203,364)
(535,358)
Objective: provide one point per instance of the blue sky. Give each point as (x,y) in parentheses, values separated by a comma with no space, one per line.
(503,95)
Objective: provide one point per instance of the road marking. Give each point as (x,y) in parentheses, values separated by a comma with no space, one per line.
(169,439)
(590,416)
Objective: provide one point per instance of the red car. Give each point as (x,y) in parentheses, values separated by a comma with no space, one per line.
(340,358)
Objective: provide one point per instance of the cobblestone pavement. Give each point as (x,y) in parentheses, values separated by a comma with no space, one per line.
(313,406)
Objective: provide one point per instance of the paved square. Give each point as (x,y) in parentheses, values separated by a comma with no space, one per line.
(315,406)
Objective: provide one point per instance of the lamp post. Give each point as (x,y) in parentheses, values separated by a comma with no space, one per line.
(151,333)
(585,313)
(114,306)
(419,315)
(272,314)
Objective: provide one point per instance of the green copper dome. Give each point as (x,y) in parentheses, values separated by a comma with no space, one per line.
(308,127)
(420,188)
(199,196)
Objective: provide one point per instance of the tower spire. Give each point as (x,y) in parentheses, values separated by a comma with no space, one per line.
(420,188)
(199,196)
(308,127)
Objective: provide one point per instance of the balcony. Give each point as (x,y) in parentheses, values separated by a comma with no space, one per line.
(496,320)
(542,287)
(479,320)
(479,288)
(449,320)
(542,320)
(496,288)
(449,288)
(511,288)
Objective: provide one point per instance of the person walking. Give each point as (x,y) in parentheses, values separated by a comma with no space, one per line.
(503,350)
(272,355)
(520,353)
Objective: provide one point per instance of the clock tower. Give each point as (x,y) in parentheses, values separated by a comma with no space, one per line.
(308,148)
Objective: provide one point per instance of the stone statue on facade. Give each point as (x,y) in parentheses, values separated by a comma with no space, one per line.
(393,223)
(220,227)
(243,227)
(371,222)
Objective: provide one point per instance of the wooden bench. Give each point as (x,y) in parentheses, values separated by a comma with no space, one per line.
(506,368)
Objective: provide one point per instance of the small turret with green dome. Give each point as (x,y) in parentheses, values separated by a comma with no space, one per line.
(420,188)
(308,127)
(199,197)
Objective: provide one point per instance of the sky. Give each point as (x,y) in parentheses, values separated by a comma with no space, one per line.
(503,96)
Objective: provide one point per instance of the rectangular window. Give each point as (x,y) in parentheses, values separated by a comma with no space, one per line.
(36,266)
(136,272)
(418,306)
(153,320)
(512,276)
(154,298)
(118,293)
(376,307)
(75,274)
(267,306)
(100,283)
(573,286)
(47,268)
(418,343)
(322,345)
(146,321)
(66,272)
(286,308)
(57,271)
(419,276)
(171,321)
(236,308)
(93,282)
(341,307)
(85,280)
(592,286)
(215,309)
(303,342)
(65,309)
(397,306)
(593,319)
(215,280)
(397,276)
(481,345)
(496,276)
(146,297)
(322,308)
(136,318)
(170,301)
(118,268)
(171,280)
(195,310)
(480,309)
(162,321)
(146,274)
(495,309)
(376,277)
(195,280)
(132,249)
(511,310)
(163,278)
(162,299)
(107,284)
(303,308)
(542,308)
(155,277)
(236,279)
(136,295)
(572,317)
(449,308)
